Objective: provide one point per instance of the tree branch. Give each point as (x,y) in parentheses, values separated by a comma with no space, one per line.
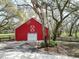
(65,5)
(54,17)
(69,14)
(4,8)
(6,22)
(58,5)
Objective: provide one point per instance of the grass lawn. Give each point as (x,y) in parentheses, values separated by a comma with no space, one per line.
(64,34)
(6,36)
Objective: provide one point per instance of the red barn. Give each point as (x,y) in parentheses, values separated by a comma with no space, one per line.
(30,30)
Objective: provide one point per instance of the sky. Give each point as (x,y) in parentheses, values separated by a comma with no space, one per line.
(21,1)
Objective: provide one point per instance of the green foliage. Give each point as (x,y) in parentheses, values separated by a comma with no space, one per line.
(42,44)
(4,37)
(52,43)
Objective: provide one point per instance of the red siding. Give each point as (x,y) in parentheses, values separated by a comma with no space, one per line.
(23,30)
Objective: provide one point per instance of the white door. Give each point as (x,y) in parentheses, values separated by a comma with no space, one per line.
(32,37)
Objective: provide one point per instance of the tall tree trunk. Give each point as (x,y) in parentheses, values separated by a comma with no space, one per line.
(44,32)
(76,32)
(73,23)
(59,33)
(70,33)
(56,30)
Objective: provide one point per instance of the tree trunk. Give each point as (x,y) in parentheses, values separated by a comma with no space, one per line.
(72,24)
(70,33)
(44,37)
(76,32)
(56,30)
(44,33)
(59,33)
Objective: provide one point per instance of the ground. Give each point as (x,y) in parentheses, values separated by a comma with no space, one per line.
(22,50)
(72,48)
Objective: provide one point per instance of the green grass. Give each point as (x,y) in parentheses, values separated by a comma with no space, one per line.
(12,35)
(78,34)
(6,36)
(64,34)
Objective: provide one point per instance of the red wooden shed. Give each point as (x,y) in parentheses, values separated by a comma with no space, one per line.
(30,30)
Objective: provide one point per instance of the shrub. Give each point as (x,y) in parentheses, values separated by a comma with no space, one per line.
(42,44)
(52,43)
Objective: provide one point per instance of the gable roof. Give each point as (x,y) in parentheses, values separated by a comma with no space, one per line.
(32,19)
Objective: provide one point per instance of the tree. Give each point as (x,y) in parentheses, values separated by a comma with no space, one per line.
(12,9)
(8,11)
(72,25)
(39,9)
(59,6)
(62,17)
(76,32)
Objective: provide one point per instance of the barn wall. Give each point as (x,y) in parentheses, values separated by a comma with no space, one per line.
(23,30)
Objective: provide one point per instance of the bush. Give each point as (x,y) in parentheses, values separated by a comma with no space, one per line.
(52,43)
(42,44)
